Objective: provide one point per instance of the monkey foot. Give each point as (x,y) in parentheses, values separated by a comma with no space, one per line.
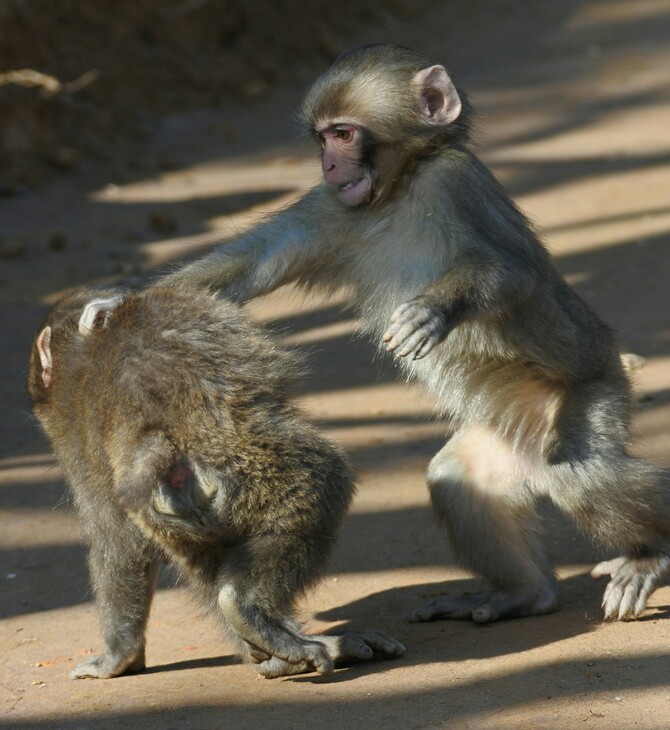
(361,645)
(312,656)
(488,606)
(633,580)
(345,648)
(107,666)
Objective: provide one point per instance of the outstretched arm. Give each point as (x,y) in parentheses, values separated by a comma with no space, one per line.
(269,255)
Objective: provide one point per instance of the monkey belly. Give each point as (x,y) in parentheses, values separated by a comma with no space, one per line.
(507,398)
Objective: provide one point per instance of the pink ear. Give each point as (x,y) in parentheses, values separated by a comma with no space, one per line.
(439,101)
(44,349)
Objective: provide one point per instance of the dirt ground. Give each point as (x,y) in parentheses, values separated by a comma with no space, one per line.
(574,102)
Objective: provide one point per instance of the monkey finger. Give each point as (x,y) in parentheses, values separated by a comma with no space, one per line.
(426,348)
(401,326)
(409,337)
(413,344)
(417,315)
(397,340)
(400,310)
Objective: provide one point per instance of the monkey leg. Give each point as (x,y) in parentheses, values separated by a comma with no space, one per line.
(621,502)
(123,573)
(479,492)
(254,607)
(344,648)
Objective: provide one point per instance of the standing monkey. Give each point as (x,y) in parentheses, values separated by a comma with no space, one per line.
(169,414)
(445,271)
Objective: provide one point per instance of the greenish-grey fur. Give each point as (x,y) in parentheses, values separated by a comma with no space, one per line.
(445,271)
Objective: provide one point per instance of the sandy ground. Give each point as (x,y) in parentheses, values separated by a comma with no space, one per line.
(575,117)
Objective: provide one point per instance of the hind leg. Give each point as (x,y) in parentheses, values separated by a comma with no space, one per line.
(479,491)
(259,584)
(123,572)
(621,502)
(279,647)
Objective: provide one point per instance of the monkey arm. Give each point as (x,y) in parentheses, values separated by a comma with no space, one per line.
(474,286)
(261,260)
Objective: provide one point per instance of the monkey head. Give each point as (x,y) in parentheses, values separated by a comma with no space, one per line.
(376,112)
(73,316)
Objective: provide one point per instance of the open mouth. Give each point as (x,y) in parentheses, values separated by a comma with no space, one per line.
(355,191)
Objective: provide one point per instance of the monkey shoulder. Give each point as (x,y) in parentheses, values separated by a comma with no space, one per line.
(480,208)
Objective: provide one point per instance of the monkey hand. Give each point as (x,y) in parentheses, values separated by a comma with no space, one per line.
(633,580)
(416,327)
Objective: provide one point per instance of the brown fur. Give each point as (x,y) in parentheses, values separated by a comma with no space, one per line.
(172,424)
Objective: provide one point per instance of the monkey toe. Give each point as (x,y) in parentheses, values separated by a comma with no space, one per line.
(319,658)
(360,646)
(449,607)
(368,643)
(275,667)
(258,656)
(484,614)
(89,670)
(104,667)
(355,647)
(607,567)
(308,657)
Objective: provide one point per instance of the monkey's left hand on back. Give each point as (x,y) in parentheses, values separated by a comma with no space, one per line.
(633,580)
(416,327)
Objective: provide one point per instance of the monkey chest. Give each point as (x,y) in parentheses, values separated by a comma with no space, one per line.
(393,264)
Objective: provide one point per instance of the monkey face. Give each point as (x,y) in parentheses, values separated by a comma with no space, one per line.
(373,100)
(341,161)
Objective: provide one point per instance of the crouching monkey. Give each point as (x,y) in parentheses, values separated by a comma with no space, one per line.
(168,412)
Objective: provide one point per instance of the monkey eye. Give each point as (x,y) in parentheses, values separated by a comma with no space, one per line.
(344,133)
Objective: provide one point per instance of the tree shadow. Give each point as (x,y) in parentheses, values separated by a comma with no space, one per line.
(454,701)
